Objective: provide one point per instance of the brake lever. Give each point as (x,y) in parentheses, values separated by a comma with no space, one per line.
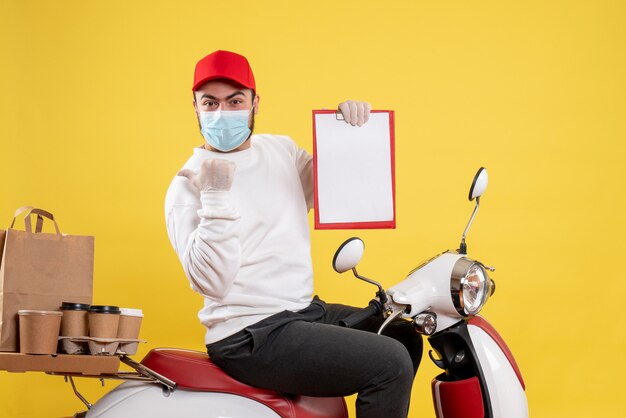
(396,310)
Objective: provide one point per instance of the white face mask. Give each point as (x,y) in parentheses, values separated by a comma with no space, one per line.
(225,130)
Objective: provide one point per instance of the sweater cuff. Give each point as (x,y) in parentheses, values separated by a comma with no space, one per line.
(213,198)
(217,204)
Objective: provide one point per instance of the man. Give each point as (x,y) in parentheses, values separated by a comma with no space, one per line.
(237,217)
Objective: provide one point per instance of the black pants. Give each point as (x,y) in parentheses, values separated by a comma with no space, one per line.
(306,353)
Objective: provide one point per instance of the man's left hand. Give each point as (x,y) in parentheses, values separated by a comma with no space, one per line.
(354,112)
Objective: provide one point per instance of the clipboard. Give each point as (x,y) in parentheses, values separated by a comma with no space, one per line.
(354,171)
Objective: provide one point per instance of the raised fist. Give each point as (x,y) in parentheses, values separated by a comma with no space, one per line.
(214,175)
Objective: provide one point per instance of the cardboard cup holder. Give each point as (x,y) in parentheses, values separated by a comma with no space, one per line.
(128,348)
(107,348)
(99,346)
(73,347)
(112,331)
(85,329)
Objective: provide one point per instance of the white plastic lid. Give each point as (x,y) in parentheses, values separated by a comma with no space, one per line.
(131,312)
(34,312)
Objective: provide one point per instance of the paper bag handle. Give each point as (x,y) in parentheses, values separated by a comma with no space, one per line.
(19,211)
(40,214)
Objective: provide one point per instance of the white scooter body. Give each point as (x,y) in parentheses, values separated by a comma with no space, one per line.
(424,291)
(503,380)
(139,399)
(442,297)
(421,290)
(192,386)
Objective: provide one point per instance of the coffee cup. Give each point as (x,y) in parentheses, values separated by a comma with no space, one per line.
(75,322)
(103,321)
(39,331)
(130,323)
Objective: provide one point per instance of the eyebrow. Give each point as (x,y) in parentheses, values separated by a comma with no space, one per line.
(208,96)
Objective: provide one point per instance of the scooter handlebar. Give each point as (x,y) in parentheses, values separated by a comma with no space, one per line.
(374,308)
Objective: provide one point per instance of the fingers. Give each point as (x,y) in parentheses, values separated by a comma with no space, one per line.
(366,112)
(187,173)
(349,111)
(344,108)
(354,112)
(217,165)
(216,174)
(363,112)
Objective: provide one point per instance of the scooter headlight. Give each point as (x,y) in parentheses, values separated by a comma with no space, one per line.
(470,286)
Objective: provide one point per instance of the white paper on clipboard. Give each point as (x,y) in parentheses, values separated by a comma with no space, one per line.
(354,171)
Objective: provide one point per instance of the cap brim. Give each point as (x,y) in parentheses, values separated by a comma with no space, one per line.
(220,77)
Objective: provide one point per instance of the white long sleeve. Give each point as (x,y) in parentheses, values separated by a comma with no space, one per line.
(247,251)
(212,254)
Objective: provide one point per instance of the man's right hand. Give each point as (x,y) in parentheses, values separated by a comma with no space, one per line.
(355,112)
(214,175)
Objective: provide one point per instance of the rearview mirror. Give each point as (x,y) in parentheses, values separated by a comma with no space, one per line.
(348,255)
(479,185)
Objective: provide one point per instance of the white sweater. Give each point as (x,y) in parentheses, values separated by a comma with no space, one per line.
(247,251)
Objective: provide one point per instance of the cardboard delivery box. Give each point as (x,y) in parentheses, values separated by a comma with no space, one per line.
(60,363)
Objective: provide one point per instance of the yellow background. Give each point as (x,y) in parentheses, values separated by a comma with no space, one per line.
(96,118)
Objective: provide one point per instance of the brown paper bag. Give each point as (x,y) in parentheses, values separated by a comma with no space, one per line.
(39,271)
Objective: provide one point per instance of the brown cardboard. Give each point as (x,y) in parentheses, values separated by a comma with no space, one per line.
(3,235)
(74,323)
(128,348)
(103,325)
(100,346)
(74,347)
(39,271)
(39,331)
(129,327)
(60,363)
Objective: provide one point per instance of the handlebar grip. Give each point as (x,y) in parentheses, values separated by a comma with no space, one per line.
(374,308)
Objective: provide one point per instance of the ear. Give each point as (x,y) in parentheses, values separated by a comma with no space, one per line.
(257,98)
(194,102)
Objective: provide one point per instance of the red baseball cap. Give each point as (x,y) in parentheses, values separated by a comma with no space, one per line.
(224,64)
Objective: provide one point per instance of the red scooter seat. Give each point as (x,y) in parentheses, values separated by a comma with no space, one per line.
(193,370)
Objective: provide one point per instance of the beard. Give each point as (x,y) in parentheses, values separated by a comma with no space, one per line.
(251,124)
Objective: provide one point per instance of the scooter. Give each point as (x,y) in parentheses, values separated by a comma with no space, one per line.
(441,297)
